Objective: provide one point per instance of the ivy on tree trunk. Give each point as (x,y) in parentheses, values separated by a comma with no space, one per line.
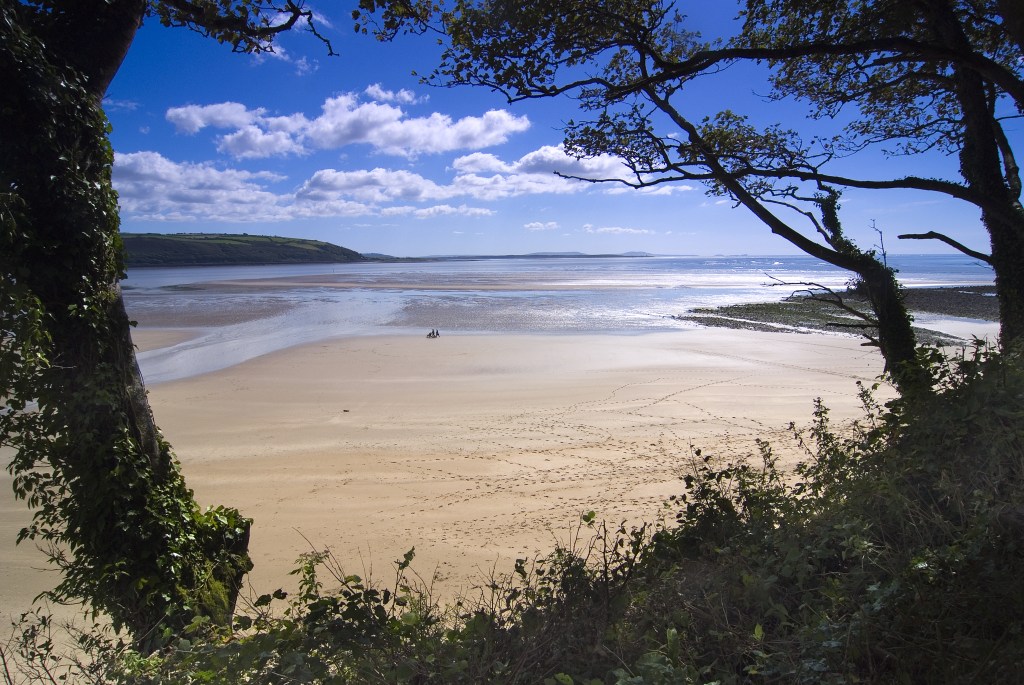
(109,499)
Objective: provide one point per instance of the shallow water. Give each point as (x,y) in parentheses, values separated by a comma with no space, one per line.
(244,312)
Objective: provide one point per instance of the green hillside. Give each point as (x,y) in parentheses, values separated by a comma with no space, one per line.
(197,249)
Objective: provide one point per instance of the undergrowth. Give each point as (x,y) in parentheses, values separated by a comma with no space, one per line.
(892,554)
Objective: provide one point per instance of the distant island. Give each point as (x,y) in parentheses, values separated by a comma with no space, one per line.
(220,249)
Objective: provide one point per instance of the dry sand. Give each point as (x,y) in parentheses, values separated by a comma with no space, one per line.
(474,449)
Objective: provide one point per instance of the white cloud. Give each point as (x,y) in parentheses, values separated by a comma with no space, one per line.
(346,120)
(153,188)
(535,172)
(252,141)
(546,160)
(376,185)
(553,159)
(550,166)
(193,118)
(380,94)
(486,177)
(513,179)
(481,162)
(303,66)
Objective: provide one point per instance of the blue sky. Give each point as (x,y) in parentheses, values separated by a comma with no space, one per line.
(354,150)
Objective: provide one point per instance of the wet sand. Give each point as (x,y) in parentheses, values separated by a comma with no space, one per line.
(480,449)
(475,449)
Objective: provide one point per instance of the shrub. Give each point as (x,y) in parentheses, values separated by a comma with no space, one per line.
(892,554)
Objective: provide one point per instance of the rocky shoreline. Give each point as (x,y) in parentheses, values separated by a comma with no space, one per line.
(806,313)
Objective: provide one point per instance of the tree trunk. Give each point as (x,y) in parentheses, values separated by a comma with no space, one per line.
(982,167)
(896,337)
(896,340)
(1008,262)
(140,549)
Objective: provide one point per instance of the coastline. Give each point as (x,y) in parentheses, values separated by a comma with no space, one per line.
(477,449)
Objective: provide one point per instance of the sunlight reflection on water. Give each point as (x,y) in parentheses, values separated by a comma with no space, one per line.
(243,312)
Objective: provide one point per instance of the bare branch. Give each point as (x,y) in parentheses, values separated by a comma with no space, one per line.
(932,235)
(243,31)
(813,291)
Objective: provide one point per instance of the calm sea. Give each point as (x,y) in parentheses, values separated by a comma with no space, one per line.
(241,312)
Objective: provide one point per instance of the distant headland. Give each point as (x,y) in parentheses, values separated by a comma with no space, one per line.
(223,249)
(220,249)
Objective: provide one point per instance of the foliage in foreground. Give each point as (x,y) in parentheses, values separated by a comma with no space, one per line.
(893,555)
(86,454)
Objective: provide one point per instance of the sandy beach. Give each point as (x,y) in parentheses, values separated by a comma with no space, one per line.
(475,449)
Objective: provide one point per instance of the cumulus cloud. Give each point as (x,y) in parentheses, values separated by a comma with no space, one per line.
(252,141)
(404,96)
(546,160)
(154,188)
(544,170)
(194,118)
(150,186)
(376,185)
(481,162)
(549,166)
(479,176)
(345,120)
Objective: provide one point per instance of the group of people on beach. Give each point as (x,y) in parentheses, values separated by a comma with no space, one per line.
(434,333)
